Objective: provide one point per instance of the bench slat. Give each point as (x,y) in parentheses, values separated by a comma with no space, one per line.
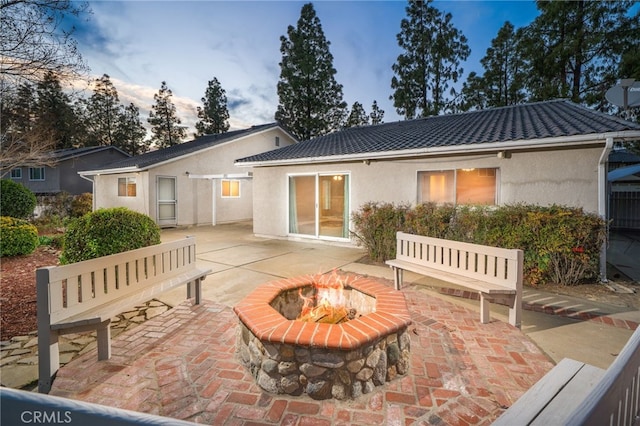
(527,407)
(480,286)
(117,306)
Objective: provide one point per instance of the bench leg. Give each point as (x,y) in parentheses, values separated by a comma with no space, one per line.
(397,277)
(48,359)
(104,340)
(194,289)
(515,310)
(484,309)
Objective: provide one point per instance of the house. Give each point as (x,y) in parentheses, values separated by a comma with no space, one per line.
(192,183)
(552,152)
(624,187)
(62,175)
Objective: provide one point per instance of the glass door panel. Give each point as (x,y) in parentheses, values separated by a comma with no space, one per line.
(334,206)
(302,205)
(167,201)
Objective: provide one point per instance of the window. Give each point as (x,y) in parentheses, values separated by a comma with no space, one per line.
(277,140)
(16,173)
(127,187)
(36,173)
(462,186)
(230,188)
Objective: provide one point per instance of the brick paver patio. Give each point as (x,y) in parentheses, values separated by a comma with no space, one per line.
(182,364)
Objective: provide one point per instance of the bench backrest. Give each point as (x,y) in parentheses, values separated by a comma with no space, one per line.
(615,400)
(490,264)
(78,287)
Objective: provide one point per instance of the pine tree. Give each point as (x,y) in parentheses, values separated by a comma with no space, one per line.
(573,47)
(357,117)
(310,99)
(432,52)
(503,80)
(376,114)
(56,118)
(130,133)
(103,112)
(214,116)
(165,125)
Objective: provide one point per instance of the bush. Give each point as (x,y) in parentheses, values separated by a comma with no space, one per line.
(561,244)
(81,204)
(18,237)
(16,200)
(107,231)
(376,226)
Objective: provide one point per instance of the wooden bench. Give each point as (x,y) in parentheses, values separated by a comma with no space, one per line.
(575,393)
(85,296)
(495,273)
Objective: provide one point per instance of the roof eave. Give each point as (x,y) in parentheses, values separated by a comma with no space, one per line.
(545,143)
(131,169)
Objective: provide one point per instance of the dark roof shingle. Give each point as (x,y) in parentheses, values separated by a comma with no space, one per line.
(539,120)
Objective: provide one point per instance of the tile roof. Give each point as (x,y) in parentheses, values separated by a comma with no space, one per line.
(151,158)
(64,154)
(549,119)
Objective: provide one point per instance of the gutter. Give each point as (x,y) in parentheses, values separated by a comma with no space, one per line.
(602,202)
(557,142)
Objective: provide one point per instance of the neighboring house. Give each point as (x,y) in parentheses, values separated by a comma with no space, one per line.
(192,183)
(624,187)
(62,175)
(544,153)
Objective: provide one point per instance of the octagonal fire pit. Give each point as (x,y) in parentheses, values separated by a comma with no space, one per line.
(329,336)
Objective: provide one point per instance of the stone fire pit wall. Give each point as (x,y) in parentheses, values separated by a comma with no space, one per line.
(340,361)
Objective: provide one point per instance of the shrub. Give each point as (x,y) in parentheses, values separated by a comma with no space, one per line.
(81,204)
(107,231)
(561,244)
(16,200)
(376,226)
(18,237)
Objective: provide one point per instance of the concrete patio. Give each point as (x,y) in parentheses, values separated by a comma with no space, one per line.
(181,364)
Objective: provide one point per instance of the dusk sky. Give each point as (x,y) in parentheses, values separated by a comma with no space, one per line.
(139,44)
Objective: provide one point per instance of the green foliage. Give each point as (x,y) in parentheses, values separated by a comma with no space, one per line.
(376,225)
(213,115)
(164,121)
(432,51)
(108,231)
(17,237)
(561,244)
(55,241)
(81,204)
(16,200)
(310,99)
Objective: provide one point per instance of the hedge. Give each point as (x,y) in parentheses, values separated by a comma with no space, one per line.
(561,244)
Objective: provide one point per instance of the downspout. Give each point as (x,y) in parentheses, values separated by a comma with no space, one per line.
(603,202)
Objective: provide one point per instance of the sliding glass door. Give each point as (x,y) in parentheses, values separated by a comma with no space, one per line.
(319,205)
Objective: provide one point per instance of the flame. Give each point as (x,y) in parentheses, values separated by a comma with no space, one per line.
(329,303)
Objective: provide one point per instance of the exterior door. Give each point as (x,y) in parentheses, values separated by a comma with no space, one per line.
(319,205)
(167,201)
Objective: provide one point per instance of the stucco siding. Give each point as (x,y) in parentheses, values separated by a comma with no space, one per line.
(566,177)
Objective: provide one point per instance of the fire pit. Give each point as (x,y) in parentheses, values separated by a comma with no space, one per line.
(328,336)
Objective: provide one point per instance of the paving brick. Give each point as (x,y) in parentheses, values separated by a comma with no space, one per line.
(194,374)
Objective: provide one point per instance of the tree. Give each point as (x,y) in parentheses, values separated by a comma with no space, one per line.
(310,99)
(35,40)
(503,78)
(376,113)
(357,117)
(432,51)
(214,116)
(56,119)
(130,133)
(103,113)
(573,49)
(165,125)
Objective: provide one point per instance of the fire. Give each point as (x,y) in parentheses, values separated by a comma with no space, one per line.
(329,303)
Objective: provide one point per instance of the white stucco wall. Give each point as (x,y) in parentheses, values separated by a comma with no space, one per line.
(565,177)
(196,197)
